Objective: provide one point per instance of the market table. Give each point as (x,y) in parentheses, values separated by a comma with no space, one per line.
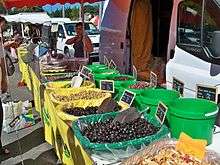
(57,131)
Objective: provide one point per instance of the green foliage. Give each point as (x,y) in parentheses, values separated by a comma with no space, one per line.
(73,13)
(25,9)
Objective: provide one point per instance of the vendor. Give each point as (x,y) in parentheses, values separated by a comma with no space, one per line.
(78,42)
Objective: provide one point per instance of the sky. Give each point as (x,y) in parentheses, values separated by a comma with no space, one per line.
(51,8)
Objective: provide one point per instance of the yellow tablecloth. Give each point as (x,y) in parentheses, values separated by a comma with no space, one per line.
(57,131)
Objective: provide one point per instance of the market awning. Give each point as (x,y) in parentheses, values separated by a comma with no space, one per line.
(30,3)
(34,18)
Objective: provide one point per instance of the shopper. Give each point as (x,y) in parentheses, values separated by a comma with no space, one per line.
(3,78)
(79,43)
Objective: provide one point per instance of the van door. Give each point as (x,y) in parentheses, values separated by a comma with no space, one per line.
(194,62)
(113,32)
(60,39)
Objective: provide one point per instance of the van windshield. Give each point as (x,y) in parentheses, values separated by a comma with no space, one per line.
(89,27)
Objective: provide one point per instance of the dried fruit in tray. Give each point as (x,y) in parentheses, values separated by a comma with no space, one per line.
(164,153)
(169,156)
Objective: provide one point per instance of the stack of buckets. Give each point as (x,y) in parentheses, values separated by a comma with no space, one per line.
(195,117)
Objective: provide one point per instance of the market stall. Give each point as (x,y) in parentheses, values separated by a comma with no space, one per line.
(95,114)
(64,106)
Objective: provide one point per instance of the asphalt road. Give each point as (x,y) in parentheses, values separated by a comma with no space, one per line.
(26,146)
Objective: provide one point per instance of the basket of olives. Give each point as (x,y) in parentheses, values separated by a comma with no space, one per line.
(67,84)
(102,133)
(82,97)
(72,112)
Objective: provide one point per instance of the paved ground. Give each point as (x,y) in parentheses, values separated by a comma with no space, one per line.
(27,146)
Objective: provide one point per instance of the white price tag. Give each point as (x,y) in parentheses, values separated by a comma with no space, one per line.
(106,62)
(153,79)
(134,72)
(112,65)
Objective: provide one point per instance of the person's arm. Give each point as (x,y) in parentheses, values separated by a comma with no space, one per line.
(88,45)
(8,44)
(71,41)
(4,84)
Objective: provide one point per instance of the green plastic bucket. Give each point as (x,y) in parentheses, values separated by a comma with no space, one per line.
(97,66)
(152,96)
(104,71)
(102,76)
(195,117)
(122,83)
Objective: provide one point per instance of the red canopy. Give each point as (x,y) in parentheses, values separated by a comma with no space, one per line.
(30,3)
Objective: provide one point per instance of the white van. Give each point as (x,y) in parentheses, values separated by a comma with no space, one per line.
(186,34)
(66,30)
(194,46)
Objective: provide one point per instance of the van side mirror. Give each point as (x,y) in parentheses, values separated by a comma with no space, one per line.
(215,44)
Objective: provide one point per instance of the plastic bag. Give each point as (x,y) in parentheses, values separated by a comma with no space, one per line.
(153,149)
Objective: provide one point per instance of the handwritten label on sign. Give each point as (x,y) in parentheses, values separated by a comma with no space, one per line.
(106,62)
(107,85)
(153,79)
(112,65)
(207,92)
(86,71)
(128,97)
(178,86)
(161,112)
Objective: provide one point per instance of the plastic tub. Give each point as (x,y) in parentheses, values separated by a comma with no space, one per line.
(97,66)
(151,97)
(122,83)
(195,117)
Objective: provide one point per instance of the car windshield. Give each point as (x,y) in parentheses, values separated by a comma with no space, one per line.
(89,27)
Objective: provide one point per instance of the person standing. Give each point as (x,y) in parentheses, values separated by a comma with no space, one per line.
(3,77)
(80,46)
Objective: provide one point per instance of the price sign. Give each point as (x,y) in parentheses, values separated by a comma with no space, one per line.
(128,97)
(178,86)
(86,71)
(207,92)
(134,72)
(107,85)
(106,62)
(112,65)
(153,79)
(161,112)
